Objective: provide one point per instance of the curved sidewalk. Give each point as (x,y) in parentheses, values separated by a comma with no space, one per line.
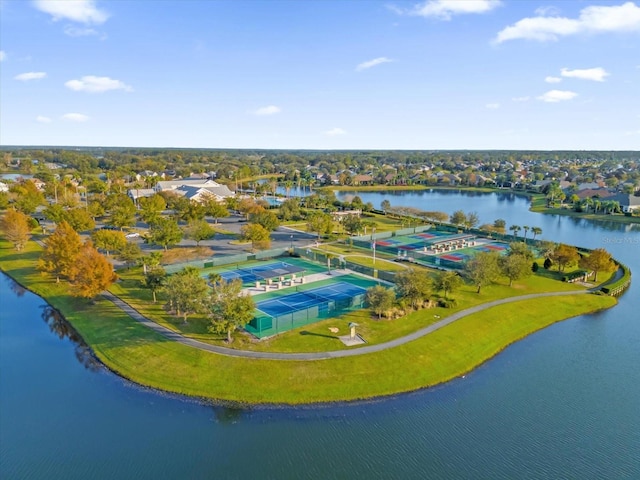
(128,309)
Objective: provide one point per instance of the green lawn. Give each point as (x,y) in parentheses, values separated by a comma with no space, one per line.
(145,357)
(539,205)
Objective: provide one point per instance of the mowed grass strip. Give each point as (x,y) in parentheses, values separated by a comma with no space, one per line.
(450,352)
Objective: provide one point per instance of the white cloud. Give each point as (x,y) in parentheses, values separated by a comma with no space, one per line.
(43,119)
(74,31)
(3,56)
(597,74)
(75,117)
(555,96)
(445,9)
(521,99)
(82,11)
(544,11)
(552,79)
(92,84)
(593,19)
(372,63)
(492,106)
(25,77)
(335,132)
(270,110)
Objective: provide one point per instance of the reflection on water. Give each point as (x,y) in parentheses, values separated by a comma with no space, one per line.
(63,329)
(227,415)
(16,288)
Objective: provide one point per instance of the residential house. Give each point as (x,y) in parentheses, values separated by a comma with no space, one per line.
(362,179)
(628,203)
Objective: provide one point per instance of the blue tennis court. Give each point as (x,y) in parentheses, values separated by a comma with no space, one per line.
(261,272)
(304,299)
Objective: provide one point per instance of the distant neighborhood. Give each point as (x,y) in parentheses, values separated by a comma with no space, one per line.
(598,182)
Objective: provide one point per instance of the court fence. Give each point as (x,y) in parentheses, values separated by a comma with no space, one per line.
(265,325)
(227,259)
(337,261)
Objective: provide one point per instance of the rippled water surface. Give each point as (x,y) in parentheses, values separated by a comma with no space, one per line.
(563,403)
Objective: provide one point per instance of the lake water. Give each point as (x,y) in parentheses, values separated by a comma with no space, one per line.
(14,176)
(563,403)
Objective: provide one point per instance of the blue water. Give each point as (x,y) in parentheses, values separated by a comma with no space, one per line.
(563,403)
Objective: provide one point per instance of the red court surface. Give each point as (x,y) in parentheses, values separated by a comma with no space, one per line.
(453,258)
(383,243)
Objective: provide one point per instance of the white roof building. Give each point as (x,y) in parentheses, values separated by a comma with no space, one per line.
(196,190)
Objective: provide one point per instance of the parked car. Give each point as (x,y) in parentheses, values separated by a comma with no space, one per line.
(132,235)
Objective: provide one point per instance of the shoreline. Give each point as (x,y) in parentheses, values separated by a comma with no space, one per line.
(531,195)
(278,399)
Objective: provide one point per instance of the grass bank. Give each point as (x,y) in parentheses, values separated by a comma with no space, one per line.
(539,205)
(145,357)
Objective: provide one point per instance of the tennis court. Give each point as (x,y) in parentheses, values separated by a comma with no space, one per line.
(434,241)
(308,298)
(492,247)
(283,311)
(261,272)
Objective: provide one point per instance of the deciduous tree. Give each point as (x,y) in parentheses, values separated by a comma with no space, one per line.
(414,285)
(15,228)
(109,240)
(123,214)
(154,279)
(187,293)
(130,253)
(79,219)
(482,269)
(447,281)
(165,232)
(257,234)
(321,223)
(229,308)
(216,209)
(472,220)
(290,209)
(599,260)
(199,230)
(380,299)
(91,273)
(458,218)
(61,251)
(352,223)
(565,256)
(151,208)
(515,267)
(266,218)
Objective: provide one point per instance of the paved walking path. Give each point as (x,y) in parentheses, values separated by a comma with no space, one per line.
(321,355)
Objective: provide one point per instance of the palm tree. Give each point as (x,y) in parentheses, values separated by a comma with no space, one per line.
(287,185)
(536,231)
(526,230)
(330,256)
(515,229)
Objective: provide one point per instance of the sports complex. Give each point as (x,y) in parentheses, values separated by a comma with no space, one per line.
(291,292)
(432,247)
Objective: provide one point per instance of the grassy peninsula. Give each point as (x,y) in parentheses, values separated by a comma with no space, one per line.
(148,358)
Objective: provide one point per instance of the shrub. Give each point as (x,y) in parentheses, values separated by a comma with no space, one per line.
(547,263)
(535,267)
(447,302)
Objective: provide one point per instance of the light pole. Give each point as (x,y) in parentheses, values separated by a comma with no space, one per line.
(291,242)
(373,244)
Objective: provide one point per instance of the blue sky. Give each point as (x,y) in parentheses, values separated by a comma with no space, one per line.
(326,74)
